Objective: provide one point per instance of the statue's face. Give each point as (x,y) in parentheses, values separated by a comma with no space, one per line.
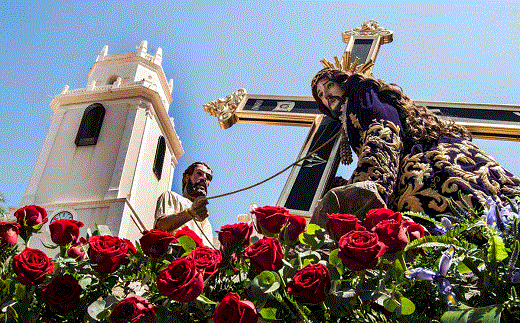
(198,182)
(330,94)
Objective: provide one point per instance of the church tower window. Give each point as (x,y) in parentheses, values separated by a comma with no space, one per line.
(159,157)
(90,126)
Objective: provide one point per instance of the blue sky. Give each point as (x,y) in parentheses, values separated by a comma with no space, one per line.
(442,51)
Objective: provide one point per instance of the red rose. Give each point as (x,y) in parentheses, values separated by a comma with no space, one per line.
(185,231)
(76,251)
(265,254)
(31,215)
(294,226)
(31,266)
(311,283)
(392,234)
(181,281)
(9,233)
(360,250)
(62,294)
(131,247)
(233,310)
(155,242)
(234,235)
(132,309)
(413,230)
(340,224)
(206,259)
(107,252)
(270,219)
(64,231)
(375,216)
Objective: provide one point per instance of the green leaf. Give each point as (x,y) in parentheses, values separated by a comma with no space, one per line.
(391,304)
(96,308)
(312,228)
(462,268)
(267,281)
(488,314)
(205,300)
(187,243)
(19,292)
(407,306)
(309,257)
(434,241)
(496,250)
(268,313)
(336,261)
(102,230)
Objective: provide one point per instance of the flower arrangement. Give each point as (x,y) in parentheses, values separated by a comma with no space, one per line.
(387,267)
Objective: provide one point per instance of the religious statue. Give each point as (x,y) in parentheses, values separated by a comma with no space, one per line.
(408,158)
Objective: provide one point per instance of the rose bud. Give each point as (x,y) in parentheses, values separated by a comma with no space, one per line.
(311,283)
(392,234)
(265,254)
(108,253)
(270,219)
(206,259)
(185,231)
(340,224)
(62,294)
(181,281)
(233,310)
(375,216)
(360,250)
(9,233)
(293,227)
(31,215)
(413,230)
(64,231)
(155,242)
(76,251)
(131,309)
(31,266)
(233,236)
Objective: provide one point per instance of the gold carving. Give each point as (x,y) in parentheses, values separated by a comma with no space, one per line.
(224,109)
(369,28)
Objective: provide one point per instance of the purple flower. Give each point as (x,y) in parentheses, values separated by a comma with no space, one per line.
(439,277)
(515,277)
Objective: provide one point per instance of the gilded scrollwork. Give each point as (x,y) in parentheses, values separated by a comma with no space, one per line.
(224,109)
(369,28)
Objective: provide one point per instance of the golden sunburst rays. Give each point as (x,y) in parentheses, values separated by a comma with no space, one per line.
(346,65)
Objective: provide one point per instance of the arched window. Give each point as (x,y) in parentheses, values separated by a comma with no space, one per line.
(90,126)
(159,157)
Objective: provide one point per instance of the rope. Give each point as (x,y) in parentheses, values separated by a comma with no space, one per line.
(261,182)
(280,172)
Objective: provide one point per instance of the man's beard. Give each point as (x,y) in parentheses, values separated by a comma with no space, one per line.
(337,109)
(193,190)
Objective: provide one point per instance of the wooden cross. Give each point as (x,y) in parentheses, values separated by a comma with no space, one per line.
(311,179)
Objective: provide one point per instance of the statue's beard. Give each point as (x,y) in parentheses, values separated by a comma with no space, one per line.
(194,190)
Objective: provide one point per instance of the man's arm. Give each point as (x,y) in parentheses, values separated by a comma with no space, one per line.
(173,221)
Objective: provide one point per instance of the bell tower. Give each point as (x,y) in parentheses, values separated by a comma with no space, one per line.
(111,148)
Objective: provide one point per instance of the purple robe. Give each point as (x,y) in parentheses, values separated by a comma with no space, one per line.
(418,176)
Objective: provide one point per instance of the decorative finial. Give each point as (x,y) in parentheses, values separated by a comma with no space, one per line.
(103,53)
(157,59)
(143,47)
(224,109)
(369,28)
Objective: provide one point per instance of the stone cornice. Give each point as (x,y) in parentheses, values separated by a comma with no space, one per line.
(141,89)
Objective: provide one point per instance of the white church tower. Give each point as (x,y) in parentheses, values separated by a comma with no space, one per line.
(111,147)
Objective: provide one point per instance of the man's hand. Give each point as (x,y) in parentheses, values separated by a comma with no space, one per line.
(198,209)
